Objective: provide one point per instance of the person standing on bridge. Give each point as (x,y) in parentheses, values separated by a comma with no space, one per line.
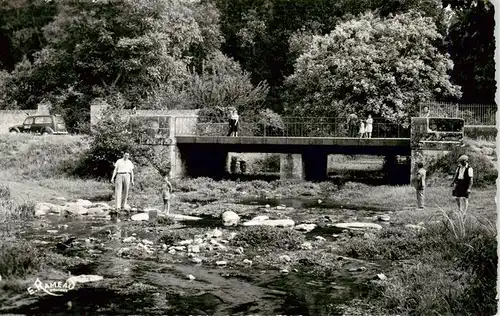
(352,123)
(361,128)
(233,123)
(420,184)
(369,126)
(124,173)
(462,182)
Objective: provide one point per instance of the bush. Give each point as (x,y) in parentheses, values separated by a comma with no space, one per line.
(269,237)
(270,163)
(485,172)
(4,192)
(18,258)
(481,132)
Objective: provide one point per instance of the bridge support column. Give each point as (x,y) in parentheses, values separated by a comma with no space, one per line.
(315,165)
(291,166)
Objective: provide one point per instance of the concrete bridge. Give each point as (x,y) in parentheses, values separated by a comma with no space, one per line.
(198,149)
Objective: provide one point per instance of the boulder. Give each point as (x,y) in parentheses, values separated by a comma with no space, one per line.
(384,218)
(84,203)
(96,211)
(305,227)
(84,278)
(357,225)
(42,209)
(140,217)
(271,222)
(76,209)
(230,218)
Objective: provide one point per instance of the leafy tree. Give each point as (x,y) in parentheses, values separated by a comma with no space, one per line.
(382,66)
(471,44)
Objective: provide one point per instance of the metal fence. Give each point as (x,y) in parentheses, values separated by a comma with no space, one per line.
(473,114)
(290,127)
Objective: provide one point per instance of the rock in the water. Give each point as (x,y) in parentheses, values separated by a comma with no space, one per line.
(320,238)
(129,239)
(216,233)
(194,248)
(267,206)
(280,207)
(140,217)
(102,205)
(196,260)
(172,251)
(384,218)
(76,209)
(230,218)
(357,225)
(306,246)
(271,222)
(284,271)
(285,258)
(185,242)
(84,203)
(180,217)
(96,211)
(240,250)
(360,269)
(147,242)
(305,227)
(221,263)
(381,276)
(178,248)
(84,278)
(319,201)
(247,261)
(191,277)
(260,218)
(47,208)
(411,226)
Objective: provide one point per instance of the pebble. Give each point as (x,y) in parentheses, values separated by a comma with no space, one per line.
(381,276)
(335,235)
(194,248)
(319,201)
(191,277)
(221,263)
(320,238)
(172,251)
(268,206)
(284,271)
(247,261)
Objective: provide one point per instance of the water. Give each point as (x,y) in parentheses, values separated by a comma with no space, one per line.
(147,286)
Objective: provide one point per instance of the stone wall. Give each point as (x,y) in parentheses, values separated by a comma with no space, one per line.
(10,118)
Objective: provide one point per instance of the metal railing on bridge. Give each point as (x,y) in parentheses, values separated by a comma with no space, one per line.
(290,127)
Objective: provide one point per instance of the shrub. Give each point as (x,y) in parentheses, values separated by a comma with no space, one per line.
(270,163)
(18,258)
(480,132)
(485,172)
(4,192)
(269,237)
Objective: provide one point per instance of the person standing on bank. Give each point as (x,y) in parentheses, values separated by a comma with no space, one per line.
(420,185)
(233,123)
(369,126)
(124,173)
(462,182)
(166,194)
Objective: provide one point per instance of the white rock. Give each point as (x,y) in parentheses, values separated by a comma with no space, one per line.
(191,277)
(178,248)
(232,235)
(411,226)
(46,208)
(381,276)
(280,207)
(267,206)
(102,205)
(305,227)
(384,218)
(140,217)
(284,271)
(129,239)
(335,235)
(271,222)
(164,246)
(260,218)
(230,218)
(172,251)
(221,263)
(84,203)
(147,242)
(240,250)
(76,209)
(216,233)
(185,242)
(180,217)
(196,260)
(360,269)
(84,278)
(320,238)
(285,258)
(357,225)
(194,248)
(306,246)
(247,261)
(198,241)
(319,201)
(52,231)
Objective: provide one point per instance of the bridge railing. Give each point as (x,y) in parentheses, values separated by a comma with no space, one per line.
(289,127)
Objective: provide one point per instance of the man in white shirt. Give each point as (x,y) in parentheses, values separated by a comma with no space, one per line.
(420,185)
(124,173)
(462,182)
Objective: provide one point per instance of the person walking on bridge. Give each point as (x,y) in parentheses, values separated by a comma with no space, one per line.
(124,175)
(233,123)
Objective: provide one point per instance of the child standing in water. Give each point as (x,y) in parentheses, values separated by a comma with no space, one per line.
(166,194)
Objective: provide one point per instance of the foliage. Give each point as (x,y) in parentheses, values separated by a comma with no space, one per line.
(4,192)
(18,258)
(371,65)
(485,172)
(478,132)
(268,237)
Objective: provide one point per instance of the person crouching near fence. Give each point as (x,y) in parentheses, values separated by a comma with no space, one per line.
(233,123)
(462,183)
(124,175)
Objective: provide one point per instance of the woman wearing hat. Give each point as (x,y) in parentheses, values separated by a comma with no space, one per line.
(462,182)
